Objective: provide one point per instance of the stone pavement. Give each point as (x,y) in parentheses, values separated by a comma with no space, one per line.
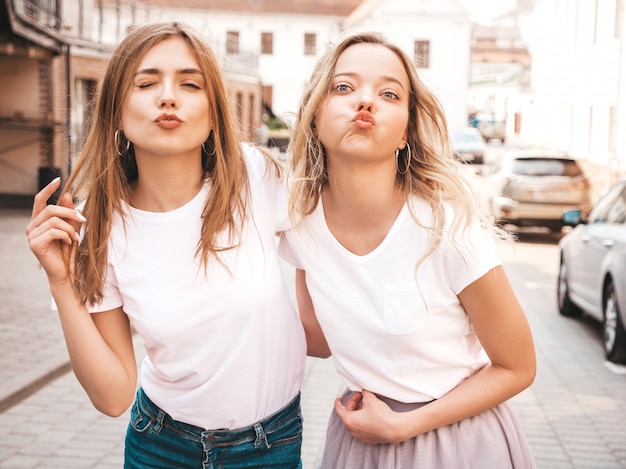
(574,414)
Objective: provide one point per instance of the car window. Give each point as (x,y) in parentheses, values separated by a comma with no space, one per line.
(602,210)
(545,167)
(617,213)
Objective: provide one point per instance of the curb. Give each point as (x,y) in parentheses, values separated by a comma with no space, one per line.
(16,390)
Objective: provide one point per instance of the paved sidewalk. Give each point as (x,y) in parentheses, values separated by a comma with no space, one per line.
(574,414)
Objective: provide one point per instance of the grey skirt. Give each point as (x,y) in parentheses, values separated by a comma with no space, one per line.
(491,440)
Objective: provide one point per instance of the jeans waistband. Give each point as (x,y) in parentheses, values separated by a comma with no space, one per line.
(197,433)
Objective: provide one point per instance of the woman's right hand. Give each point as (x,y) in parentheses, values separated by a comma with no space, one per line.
(52,232)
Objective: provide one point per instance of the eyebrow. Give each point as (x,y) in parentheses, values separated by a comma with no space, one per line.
(156,71)
(383,77)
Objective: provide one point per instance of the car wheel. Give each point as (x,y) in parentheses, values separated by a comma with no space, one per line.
(614,333)
(566,306)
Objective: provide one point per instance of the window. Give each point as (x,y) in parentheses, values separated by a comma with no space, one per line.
(422,54)
(232,42)
(267,43)
(309,44)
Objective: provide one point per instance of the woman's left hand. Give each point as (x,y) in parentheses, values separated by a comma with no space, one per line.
(369,419)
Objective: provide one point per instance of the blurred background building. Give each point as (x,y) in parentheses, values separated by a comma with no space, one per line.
(548,70)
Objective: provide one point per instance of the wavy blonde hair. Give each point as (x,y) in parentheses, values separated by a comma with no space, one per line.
(432,174)
(102,177)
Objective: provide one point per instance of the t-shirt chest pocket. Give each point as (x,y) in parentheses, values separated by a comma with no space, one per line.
(405,308)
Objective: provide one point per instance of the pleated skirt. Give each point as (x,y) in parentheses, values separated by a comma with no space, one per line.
(491,440)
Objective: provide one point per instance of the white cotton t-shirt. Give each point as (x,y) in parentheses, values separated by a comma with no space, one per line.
(392,330)
(224,349)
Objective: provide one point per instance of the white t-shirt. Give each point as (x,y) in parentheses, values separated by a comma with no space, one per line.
(393,330)
(223,351)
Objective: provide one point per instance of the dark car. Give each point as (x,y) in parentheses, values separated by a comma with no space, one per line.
(592,277)
(535,189)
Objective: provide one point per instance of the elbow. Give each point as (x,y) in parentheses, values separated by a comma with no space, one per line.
(113,406)
(530,373)
(111,411)
(526,374)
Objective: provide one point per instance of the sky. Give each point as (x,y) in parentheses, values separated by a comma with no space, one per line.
(484,10)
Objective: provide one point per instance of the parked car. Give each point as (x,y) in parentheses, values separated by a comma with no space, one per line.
(592,277)
(492,129)
(534,189)
(468,145)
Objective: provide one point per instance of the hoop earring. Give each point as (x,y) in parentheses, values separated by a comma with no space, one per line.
(206,152)
(119,138)
(408,159)
(211,140)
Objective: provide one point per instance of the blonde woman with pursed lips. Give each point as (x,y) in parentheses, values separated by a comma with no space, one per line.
(397,277)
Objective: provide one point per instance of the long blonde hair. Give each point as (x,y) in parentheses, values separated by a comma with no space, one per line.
(104,172)
(432,174)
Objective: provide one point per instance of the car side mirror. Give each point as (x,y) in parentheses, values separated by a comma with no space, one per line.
(572,217)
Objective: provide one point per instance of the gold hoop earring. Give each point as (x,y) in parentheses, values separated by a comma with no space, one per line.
(407,165)
(119,137)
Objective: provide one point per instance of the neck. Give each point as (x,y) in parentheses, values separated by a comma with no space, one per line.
(166,183)
(363,193)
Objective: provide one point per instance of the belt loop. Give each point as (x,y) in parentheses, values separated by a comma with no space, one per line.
(261,437)
(158,424)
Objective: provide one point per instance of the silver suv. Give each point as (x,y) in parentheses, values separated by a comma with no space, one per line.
(535,190)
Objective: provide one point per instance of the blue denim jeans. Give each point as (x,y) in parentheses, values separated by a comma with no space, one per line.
(155,440)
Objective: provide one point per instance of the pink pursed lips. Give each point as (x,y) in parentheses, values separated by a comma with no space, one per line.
(364,120)
(168,121)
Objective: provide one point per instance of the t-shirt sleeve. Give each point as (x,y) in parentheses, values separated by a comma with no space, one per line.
(286,250)
(469,255)
(111,297)
(274,186)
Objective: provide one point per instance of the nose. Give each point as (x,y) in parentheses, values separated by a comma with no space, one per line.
(167,102)
(366,103)
(167,98)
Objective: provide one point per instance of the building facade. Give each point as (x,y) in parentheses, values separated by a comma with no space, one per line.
(53,54)
(33,98)
(579,84)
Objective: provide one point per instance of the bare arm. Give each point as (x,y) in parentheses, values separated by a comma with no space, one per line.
(99,345)
(501,325)
(315,340)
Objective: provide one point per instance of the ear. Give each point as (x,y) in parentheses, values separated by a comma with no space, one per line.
(403,142)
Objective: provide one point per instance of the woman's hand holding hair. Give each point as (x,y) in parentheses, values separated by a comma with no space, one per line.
(100,347)
(52,232)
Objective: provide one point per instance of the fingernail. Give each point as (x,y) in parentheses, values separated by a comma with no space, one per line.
(80,216)
(55,180)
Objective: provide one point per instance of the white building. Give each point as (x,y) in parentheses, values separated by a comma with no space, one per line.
(579,84)
(280,41)
(266,48)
